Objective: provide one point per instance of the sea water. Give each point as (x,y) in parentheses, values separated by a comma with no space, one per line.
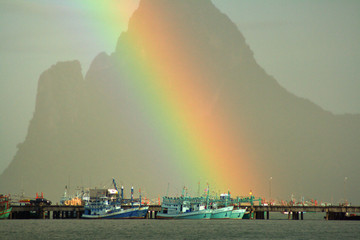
(179,229)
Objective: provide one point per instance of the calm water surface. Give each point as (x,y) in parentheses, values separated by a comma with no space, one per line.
(179,229)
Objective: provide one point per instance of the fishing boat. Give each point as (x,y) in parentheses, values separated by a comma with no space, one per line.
(220,207)
(248,215)
(222,213)
(108,204)
(238,213)
(184,208)
(68,200)
(106,209)
(5,208)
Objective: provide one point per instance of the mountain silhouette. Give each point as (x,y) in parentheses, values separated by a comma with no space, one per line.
(116,121)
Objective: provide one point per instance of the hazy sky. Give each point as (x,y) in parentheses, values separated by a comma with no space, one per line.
(310,47)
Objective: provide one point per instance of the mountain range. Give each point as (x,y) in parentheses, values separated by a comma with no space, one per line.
(187,57)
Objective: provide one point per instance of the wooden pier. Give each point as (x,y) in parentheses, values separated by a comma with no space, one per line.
(257,212)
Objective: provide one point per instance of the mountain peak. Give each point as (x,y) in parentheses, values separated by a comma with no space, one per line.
(181,20)
(174,4)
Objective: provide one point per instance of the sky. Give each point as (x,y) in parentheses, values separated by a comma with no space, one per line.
(310,47)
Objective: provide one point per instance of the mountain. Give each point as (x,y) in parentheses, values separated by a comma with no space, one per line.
(182,100)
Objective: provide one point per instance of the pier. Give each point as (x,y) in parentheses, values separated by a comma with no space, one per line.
(256,212)
(61,212)
(297,212)
(46,212)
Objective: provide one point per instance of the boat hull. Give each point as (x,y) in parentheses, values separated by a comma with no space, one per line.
(203,214)
(248,215)
(222,213)
(131,213)
(5,213)
(237,213)
(141,213)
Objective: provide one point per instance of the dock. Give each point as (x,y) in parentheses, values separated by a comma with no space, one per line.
(60,212)
(256,211)
(297,212)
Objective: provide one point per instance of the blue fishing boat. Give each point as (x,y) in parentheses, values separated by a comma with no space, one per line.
(104,208)
(108,204)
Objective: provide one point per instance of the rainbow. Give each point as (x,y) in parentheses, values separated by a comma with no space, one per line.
(191,124)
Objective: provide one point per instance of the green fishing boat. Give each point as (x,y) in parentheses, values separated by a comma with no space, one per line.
(5,208)
(183,208)
(222,213)
(238,213)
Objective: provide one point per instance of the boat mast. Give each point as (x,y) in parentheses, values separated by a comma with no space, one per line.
(140,196)
(122,193)
(207,197)
(116,188)
(132,197)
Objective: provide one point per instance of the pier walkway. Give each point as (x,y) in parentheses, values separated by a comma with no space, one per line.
(296,212)
(256,212)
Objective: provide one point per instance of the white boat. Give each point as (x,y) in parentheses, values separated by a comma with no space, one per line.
(107,203)
(105,209)
(222,213)
(184,208)
(238,213)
